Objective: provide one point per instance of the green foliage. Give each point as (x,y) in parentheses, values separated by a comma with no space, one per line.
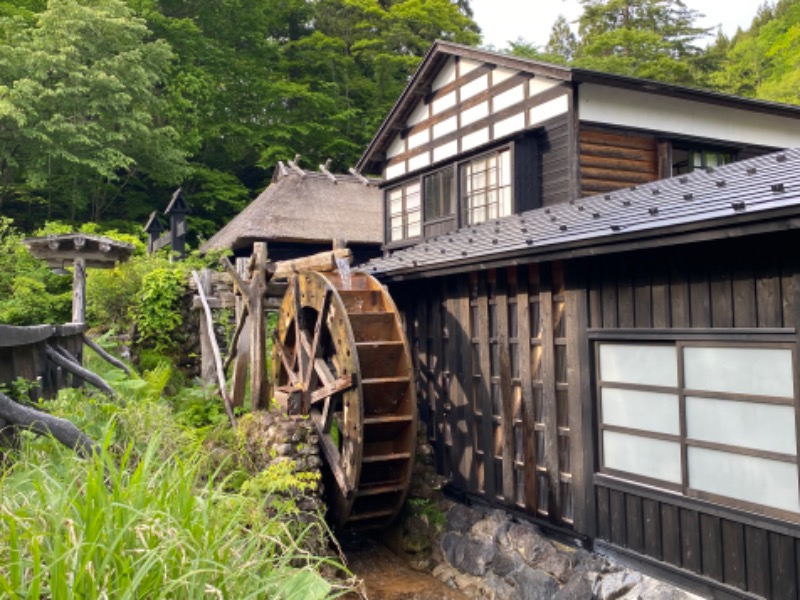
(280,483)
(80,110)
(30,293)
(654,39)
(117,527)
(428,510)
(157,310)
(765,61)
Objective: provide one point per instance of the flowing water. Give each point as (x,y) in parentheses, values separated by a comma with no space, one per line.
(343,264)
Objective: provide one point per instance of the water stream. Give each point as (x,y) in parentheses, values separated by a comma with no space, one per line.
(343,264)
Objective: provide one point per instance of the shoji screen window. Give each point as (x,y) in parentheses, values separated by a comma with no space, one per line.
(710,420)
(486,186)
(405,212)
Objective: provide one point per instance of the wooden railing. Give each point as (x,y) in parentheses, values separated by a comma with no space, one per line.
(24,355)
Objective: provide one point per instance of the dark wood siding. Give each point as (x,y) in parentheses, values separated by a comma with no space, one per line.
(707,288)
(611,161)
(724,285)
(556,160)
(490,353)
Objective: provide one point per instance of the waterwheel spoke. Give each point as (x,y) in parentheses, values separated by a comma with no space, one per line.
(298,327)
(338,385)
(289,366)
(321,317)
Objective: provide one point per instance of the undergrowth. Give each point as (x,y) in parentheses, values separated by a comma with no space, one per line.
(154,514)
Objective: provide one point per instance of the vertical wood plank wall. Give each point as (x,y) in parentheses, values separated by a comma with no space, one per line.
(29,362)
(753,285)
(490,354)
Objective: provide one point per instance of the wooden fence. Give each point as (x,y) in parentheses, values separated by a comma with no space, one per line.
(23,355)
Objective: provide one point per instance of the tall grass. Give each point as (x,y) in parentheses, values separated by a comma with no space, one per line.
(144,518)
(72,528)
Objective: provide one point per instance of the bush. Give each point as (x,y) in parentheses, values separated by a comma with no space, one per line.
(30,293)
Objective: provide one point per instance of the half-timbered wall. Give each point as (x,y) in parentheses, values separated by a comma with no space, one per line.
(729,292)
(490,352)
(471,105)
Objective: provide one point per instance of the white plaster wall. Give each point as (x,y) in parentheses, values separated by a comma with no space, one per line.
(629,108)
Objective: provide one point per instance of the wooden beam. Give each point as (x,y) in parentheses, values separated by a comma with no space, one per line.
(105,355)
(322,261)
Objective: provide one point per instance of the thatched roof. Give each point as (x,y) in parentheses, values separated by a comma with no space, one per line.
(308,207)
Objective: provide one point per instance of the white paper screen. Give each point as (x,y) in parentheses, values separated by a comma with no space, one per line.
(748,478)
(657,459)
(768,427)
(762,371)
(650,411)
(641,364)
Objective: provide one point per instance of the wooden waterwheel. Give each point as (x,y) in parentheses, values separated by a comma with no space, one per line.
(341,357)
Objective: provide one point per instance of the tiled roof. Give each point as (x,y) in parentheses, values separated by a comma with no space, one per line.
(741,191)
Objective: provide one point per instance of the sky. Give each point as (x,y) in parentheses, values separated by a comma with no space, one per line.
(506,20)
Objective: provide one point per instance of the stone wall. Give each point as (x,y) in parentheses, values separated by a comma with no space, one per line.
(490,555)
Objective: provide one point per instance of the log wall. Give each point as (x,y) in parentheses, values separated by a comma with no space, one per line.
(611,161)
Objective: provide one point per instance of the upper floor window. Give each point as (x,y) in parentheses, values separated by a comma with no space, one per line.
(405,213)
(486,186)
(439,192)
(686,160)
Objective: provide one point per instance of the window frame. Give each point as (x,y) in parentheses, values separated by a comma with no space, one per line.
(680,342)
(694,148)
(402,186)
(462,198)
(453,214)
(458,216)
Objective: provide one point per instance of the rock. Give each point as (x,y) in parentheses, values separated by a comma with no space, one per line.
(533,584)
(652,589)
(461,518)
(579,587)
(588,562)
(617,584)
(556,564)
(505,563)
(477,557)
(453,548)
(529,542)
(499,588)
(491,528)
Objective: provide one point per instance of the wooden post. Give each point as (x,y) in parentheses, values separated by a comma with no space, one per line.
(242,348)
(260,392)
(207,371)
(79,291)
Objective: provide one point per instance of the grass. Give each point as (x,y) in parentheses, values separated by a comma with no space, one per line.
(146,517)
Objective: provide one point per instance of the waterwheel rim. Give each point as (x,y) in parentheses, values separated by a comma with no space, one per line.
(362,358)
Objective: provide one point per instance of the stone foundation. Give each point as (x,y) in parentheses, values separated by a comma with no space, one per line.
(490,555)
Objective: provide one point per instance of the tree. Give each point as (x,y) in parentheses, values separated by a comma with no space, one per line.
(654,39)
(764,61)
(562,41)
(81,115)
